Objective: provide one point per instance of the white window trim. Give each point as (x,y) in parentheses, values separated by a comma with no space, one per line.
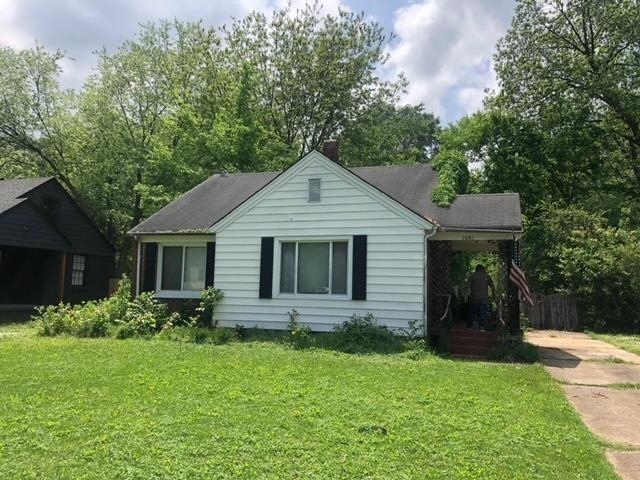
(176,293)
(277,260)
(82,270)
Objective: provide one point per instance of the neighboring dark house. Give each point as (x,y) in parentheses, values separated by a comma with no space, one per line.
(50,251)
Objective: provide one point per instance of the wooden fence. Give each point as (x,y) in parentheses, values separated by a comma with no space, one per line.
(553,312)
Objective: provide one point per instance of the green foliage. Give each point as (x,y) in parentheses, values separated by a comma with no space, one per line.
(361,334)
(300,335)
(451,166)
(314,72)
(579,252)
(630,343)
(77,409)
(209,300)
(522,352)
(385,134)
(117,315)
(201,335)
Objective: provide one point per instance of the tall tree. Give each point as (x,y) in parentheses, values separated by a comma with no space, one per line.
(576,56)
(36,116)
(314,73)
(387,134)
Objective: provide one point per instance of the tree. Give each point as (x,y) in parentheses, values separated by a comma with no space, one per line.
(36,130)
(314,73)
(576,56)
(386,134)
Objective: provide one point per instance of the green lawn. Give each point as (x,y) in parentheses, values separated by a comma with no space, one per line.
(631,343)
(73,409)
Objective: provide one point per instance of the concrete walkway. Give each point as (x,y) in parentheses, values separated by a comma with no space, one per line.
(599,380)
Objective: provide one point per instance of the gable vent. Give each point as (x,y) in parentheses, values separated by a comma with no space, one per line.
(314,190)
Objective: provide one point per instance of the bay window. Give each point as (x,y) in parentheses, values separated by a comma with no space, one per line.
(314,267)
(182,268)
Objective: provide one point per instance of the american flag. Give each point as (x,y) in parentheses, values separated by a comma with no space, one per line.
(516,275)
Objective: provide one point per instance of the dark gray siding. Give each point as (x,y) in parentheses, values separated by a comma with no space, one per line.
(97,272)
(23,226)
(84,236)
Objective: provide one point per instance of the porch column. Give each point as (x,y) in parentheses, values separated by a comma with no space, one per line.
(511,308)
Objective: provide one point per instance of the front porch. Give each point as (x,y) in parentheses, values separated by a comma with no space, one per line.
(447,306)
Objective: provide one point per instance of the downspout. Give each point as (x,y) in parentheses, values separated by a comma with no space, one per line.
(425,278)
(138,265)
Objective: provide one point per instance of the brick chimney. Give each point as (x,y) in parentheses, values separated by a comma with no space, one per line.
(330,150)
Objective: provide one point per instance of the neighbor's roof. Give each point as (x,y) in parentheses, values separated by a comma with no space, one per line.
(11,191)
(410,185)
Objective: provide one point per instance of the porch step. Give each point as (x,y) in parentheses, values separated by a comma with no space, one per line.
(472,343)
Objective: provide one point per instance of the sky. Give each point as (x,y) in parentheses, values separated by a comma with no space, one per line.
(444,47)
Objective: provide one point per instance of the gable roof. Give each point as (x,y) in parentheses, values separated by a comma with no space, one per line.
(11,191)
(409,185)
(74,227)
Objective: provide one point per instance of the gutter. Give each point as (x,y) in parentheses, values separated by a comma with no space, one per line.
(425,279)
(487,230)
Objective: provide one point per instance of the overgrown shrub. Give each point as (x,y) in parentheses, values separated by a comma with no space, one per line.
(361,334)
(87,319)
(203,335)
(300,335)
(209,300)
(117,315)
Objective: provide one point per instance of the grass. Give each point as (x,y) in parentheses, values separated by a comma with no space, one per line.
(630,343)
(136,409)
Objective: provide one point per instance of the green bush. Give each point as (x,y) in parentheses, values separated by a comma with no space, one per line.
(117,315)
(300,335)
(209,300)
(87,319)
(361,334)
(570,250)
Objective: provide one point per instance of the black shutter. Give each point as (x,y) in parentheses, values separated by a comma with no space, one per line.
(211,264)
(359,270)
(266,267)
(150,266)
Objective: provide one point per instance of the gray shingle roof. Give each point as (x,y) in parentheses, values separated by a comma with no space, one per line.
(410,185)
(12,190)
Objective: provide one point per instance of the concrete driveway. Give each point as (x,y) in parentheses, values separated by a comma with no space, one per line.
(603,384)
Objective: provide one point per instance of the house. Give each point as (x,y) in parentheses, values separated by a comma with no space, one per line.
(320,238)
(50,250)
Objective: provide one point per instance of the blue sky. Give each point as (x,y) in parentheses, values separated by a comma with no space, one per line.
(444,47)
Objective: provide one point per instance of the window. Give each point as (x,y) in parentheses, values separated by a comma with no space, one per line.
(78,266)
(314,267)
(314,190)
(183,268)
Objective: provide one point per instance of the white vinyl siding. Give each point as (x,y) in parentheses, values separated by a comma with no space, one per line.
(395,256)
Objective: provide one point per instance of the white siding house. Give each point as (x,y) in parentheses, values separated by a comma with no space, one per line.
(345,207)
(319,238)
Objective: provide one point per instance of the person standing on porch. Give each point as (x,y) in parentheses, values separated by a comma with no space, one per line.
(478,291)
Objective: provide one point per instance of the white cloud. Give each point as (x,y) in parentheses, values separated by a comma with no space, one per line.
(10,32)
(445,50)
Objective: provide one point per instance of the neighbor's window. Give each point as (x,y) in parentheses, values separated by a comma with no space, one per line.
(314,189)
(314,267)
(183,268)
(78,266)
